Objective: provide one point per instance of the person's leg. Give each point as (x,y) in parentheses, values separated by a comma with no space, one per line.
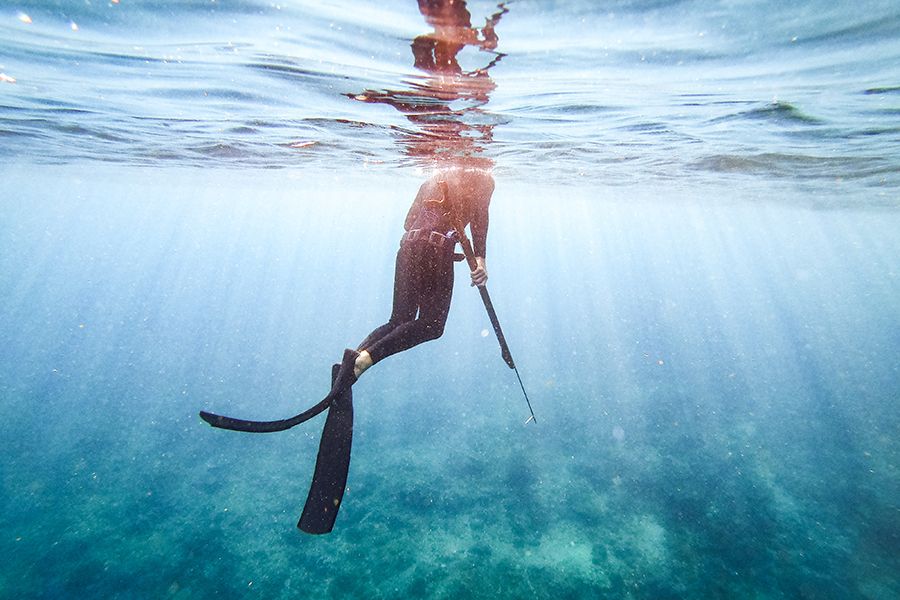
(433,300)
(405,304)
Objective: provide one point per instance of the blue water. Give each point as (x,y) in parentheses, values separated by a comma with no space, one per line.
(693,252)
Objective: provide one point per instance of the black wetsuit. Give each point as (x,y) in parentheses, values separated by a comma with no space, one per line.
(423,277)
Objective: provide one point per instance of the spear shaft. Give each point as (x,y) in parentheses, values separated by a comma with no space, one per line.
(486,299)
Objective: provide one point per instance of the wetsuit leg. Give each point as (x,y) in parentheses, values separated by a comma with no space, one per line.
(423,282)
(405,301)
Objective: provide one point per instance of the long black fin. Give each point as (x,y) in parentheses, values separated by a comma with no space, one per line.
(347,379)
(233,424)
(332,464)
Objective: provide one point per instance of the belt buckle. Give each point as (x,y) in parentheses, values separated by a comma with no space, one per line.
(436,239)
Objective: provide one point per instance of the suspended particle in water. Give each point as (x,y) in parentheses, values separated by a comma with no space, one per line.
(24,18)
(484,333)
(618,433)
(73,26)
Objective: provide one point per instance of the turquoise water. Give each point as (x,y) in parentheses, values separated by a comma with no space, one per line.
(693,252)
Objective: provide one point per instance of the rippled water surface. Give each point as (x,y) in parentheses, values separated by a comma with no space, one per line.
(693,252)
(626,91)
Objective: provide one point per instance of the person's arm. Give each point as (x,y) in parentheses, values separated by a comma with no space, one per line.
(479,227)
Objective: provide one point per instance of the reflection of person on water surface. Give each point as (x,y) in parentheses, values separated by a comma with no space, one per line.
(445,133)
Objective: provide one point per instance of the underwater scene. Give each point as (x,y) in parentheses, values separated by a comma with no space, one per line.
(684,381)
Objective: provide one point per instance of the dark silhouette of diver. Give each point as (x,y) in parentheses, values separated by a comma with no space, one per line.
(446,203)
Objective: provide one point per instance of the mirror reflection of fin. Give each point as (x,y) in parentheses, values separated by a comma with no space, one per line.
(332,464)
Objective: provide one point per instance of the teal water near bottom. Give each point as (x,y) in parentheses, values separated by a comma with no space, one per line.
(715,378)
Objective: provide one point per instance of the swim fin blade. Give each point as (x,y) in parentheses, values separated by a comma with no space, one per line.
(343,378)
(223,422)
(332,464)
